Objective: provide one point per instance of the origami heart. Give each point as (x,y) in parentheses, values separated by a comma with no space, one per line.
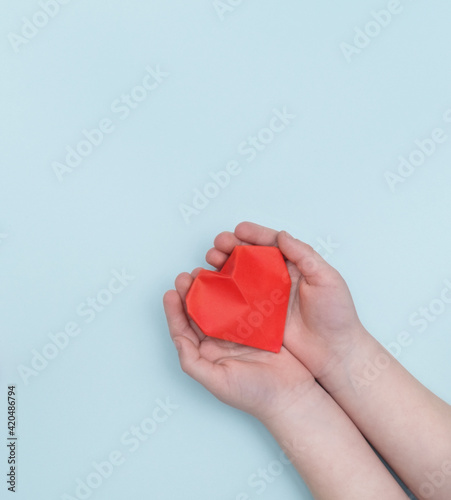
(246,302)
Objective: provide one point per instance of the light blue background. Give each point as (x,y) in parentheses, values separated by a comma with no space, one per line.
(321,177)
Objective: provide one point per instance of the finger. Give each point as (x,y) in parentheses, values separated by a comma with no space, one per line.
(255,234)
(246,233)
(176,317)
(216,258)
(197,367)
(183,283)
(195,272)
(225,242)
(310,263)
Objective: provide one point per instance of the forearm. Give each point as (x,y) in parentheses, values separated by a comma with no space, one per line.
(330,453)
(404,421)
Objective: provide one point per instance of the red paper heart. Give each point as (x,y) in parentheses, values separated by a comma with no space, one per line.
(246,302)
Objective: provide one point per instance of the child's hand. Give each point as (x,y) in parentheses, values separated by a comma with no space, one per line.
(322,323)
(261,383)
(313,431)
(324,339)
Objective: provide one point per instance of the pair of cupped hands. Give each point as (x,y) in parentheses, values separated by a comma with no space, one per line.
(322,328)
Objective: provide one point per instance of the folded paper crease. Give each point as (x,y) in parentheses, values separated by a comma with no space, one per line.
(246,302)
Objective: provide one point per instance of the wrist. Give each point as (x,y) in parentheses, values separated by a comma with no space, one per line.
(304,410)
(358,364)
(317,436)
(312,431)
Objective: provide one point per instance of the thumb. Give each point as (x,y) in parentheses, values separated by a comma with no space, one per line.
(309,262)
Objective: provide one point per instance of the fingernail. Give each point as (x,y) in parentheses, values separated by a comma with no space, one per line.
(288,235)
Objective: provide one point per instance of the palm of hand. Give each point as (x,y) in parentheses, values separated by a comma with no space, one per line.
(321,326)
(321,320)
(255,381)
